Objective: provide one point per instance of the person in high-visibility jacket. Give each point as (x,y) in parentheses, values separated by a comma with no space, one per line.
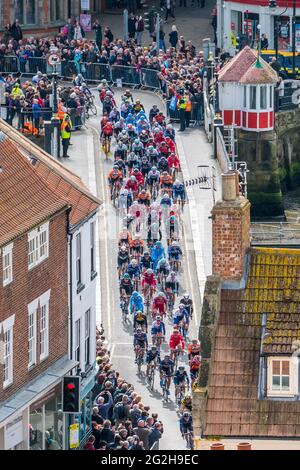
(66,127)
(188,110)
(181,105)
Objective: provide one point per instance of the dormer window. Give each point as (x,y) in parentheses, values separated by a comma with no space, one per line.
(282,376)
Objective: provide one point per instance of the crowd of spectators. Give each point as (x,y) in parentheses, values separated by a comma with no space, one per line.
(120,419)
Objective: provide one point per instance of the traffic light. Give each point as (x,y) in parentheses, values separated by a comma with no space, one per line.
(149,21)
(272,4)
(71,394)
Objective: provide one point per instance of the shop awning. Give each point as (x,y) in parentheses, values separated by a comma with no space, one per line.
(35,389)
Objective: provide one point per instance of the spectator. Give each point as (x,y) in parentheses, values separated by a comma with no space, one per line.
(140,27)
(16,31)
(121,410)
(155,434)
(143,433)
(98,30)
(96,432)
(90,443)
(70,29)
(264,43)
(7,35)
(107,434)
(169,10)
(78,32)
(131,26)
(96,416)
(108,35)
(104,407)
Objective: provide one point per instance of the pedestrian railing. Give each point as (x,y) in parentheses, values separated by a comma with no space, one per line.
(196,113)
(287,97)
(149,79)
(155,446)
(9,64)
(96,72)
(126,75)
(78,117)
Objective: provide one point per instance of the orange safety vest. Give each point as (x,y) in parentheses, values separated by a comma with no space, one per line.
(188,106)
(60,112)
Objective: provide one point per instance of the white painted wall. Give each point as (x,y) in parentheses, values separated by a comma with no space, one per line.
(230,95)
(86,299)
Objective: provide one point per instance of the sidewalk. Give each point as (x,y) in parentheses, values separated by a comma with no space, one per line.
(192,22)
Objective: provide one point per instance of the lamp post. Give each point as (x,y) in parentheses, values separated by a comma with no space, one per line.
(259,41)
(246,23)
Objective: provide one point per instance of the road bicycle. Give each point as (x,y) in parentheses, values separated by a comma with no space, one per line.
(171,295)
(90,107)
(165,390)
(180,394)
(157,340)
(151,374)
(139,359)
(189,438)
(148,295)
(115,192)
(106,145)
(124,304)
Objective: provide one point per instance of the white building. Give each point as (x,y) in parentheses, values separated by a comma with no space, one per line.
(241,17)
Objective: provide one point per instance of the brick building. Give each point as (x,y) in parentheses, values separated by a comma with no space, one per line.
(43,16)
(82,271)
(250,332)
(33,303)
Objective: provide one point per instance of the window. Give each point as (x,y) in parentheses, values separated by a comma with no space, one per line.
(271,97)
(32,313)
(7,326)
(263,97)
(7,264)
(44,330)
(252,97)
(25,11)
(93,251)
(38,245)
(283,376)
(55,10)
(78,259)
(87,337)
(245,97)
(77,340)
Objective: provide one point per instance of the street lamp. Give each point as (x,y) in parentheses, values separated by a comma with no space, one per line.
(246,23)
(259,42)
(294,37)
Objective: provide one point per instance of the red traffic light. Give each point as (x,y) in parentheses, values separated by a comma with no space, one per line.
(70,386)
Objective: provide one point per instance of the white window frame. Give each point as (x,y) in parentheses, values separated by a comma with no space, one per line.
(44,325)
(8,327)
(38,249)
(32,332)
(87,337)
(7,264)
(265,89)
(293,376)
(77,339)
(256,95)
(93,246)
(78,247)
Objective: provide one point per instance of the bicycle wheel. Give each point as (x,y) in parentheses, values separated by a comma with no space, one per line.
(152,374)
(93,109)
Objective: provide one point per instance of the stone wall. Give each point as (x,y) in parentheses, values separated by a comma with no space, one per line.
(288,148)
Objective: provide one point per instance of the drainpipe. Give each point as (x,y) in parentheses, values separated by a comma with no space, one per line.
(70,243)
(261,377)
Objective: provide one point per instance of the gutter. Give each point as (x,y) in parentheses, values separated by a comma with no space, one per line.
(262,367)
(70,319)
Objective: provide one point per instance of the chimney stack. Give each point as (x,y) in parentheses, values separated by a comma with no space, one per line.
(230,230)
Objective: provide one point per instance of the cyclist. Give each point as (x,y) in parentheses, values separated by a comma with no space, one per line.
(144,137)
(146,262)
(166,203)
(158,252)
(194,349)
(131,129)
(119,126)
(140,343)
(154,234)
(121,151)
(172,285)
(114,115)
(127,96)
(159,304)
(160,118)
(170,132)
(123,259)
(176,342)
(174,163)
(121,165)
(140,321)
(132,185)
(115,177)
(145,166)
(181,380)
(172,147)
(124,238)
(186,423)
(181,319)
(136,302)
(137,147)
(138,106)
(152,155)
(106,133)
(139,176)
(163,269)
(153,178)
(133,268)
(166,181)
(144,197)
(166,368)
(174,252)
(188,303)
(153,112)
(152,357)
(137,247)
(194,368)
(158,329)
(148,282)
(126,286)
(186,404)
(179,191)
(132,161)
(164,152)
(172,228)
(125,200)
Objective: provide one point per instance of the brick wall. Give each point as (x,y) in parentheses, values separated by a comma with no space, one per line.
(26,287)
(231,237)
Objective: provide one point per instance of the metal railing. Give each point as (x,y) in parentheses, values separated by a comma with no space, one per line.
(275,234)
(287,98)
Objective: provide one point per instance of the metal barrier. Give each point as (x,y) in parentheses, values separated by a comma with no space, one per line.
(9,64)
(127,75)
(196,113)
(78,117)
(155,446)
(149,78)
(291,95)
(69,69)
(96,72)
(37,64)
(222,154)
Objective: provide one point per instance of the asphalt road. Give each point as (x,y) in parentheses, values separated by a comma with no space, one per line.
(120,337)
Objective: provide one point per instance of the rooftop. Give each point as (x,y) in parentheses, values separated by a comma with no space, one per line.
(26,200)
(63,181)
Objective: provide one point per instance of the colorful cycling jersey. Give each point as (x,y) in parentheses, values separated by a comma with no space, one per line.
(133,270)
(166,367)
(180,378)
(152,356)
(178,188)
(140,340)
(158,328)
(180,315)
(186,424)
(107,129)
(174,252)
(166,201)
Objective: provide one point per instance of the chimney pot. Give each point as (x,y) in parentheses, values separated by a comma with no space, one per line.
(230,186)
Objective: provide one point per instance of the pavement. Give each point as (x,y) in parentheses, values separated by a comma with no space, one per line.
(192,22)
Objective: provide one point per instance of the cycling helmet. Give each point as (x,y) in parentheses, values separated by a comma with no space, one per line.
(165,173)
(139,330)
(125,192)
(167,356)
(116,167)
(154,168)
(181,306)
(181,368)
(163,261)
(124,248)
(154,227)
(153,348)
(165,196)
(173,274)
(169,126)
(135,293)
(158,318)
(186,296)
(149,271)
(177,183)
(126,276)
(158,244)
(186,414)
(134,262)
(130,126)
(144,191)
(146,253)
(161,294)
(133,178)
(174,243)
(195,341)
(150,148)
(136,141)
(136,170)
(104,81)
(135,203)
(172,218)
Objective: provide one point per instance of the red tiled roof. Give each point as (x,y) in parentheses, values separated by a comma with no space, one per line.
(66,183)
(233,408)
(243,69)
(26,200)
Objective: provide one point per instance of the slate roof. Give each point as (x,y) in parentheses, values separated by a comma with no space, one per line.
(26,200)
(273,287)
(63,181)
(242,69)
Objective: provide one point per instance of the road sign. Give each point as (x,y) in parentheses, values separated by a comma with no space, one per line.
(54,59)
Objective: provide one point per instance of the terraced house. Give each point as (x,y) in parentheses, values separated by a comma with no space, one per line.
(250,332)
